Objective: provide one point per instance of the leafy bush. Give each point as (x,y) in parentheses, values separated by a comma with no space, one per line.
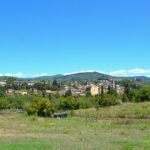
(66,103)
(125,98)
(143,95)
(41,107)
(13,102)
(3,103)
(108,100)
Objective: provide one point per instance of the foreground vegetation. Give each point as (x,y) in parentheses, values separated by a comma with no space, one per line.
(41,105)
(19,131)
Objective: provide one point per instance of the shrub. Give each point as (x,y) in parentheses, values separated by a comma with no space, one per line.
(41,107)
(3,103)
(72,112)
(108,100)
(143,95)
(13,102)
(125,98)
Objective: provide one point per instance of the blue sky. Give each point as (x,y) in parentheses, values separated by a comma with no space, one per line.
(62,36)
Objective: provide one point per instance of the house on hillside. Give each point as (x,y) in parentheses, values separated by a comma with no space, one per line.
(50,92)
(10,92)
(94,90)
(62,92)
(120,89)
(18,83)
(76,91)
(2,83)
(31,83)
(22,92)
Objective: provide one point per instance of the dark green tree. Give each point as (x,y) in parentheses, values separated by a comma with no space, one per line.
(2,93)
(43,94)
(88,94)
(68,93)
(55,83)
(112,91)
(102,90)
(143,94)
(127,90)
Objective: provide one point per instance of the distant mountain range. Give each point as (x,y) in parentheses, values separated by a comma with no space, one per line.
(84,76)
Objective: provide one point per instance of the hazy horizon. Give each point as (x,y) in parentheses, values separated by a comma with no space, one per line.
(124,73)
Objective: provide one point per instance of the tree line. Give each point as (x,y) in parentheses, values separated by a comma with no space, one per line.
(47,104)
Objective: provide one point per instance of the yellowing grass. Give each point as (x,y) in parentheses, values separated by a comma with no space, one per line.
(124,110)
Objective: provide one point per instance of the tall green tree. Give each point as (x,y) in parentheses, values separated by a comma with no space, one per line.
(55,83)
(112,91)
(43,94)
(68,93)
(127,90)
(102,90)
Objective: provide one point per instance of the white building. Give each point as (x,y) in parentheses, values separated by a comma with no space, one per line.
(2,83)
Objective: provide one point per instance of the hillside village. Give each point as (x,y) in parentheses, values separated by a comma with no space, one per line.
(94,87)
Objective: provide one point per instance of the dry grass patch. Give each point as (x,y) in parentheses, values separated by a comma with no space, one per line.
(123,110)
(23,132)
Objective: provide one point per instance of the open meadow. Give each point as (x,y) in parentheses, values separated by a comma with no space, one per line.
(21,132)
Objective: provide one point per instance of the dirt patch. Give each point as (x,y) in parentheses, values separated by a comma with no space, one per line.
(14,133)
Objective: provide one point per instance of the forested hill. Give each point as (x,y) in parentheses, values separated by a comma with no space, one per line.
(74,77)
(81,77)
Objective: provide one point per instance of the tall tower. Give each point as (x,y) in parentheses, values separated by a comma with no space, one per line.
(113,84)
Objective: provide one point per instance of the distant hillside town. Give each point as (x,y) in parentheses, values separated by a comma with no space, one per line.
(82,88)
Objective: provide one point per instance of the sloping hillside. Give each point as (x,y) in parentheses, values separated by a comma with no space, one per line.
(81,77)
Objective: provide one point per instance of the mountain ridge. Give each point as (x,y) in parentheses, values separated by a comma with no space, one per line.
(80,76)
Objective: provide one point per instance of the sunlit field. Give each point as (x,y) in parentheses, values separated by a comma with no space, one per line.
(21,132)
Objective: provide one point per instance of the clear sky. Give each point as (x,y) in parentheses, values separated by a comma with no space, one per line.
(64,36)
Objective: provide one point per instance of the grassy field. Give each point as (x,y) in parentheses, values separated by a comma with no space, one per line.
(139,110)
(22,132)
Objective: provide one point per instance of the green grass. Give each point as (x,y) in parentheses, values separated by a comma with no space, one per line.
(125,110)
(22,132)
(25,143)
